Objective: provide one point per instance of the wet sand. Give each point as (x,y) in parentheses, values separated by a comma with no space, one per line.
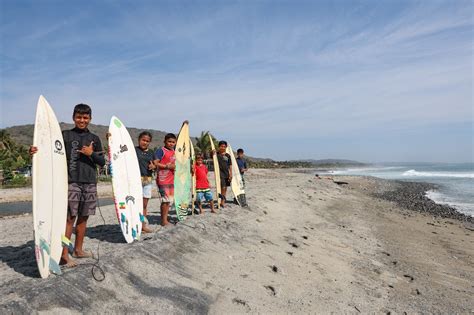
(305,245)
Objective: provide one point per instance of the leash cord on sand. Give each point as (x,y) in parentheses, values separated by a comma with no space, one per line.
(95,266)
(193,227)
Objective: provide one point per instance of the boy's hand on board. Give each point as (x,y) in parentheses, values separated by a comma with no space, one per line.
(32,150)
(151,166)
(87,150)
(107,135)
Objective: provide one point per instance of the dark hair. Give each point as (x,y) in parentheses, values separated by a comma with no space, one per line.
(145,133)
(222,142)
(170,136)
(240,150)
(83,109)
(199,155)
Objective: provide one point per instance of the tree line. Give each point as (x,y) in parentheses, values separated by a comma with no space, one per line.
(14,159)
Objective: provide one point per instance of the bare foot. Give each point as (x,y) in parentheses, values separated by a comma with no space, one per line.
(146,229)
(82,254)
(67,262)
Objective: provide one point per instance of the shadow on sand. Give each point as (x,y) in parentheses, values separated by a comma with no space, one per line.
(21,259)
(110,233)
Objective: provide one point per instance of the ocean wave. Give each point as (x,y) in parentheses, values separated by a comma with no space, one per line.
(365,169)
(415,173)
(440,198)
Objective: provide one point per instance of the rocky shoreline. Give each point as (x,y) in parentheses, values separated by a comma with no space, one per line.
(412,195)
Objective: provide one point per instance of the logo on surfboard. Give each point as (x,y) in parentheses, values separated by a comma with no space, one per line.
(123,148)
(59,147)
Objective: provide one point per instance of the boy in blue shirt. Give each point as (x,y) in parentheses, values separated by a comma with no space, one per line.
(242,164)
(146,158)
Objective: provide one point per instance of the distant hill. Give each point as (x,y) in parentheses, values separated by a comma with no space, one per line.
(334,162)
(23,134)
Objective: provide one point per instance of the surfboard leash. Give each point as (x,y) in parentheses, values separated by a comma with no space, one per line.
(193,227)
(96,266)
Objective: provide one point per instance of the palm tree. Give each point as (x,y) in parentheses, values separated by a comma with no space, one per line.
(203,144)
(5,140)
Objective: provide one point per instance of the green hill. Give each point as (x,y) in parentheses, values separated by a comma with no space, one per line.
(23,134)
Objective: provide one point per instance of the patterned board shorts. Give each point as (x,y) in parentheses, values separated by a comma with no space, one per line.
(167,193)
(82,199)
(147,191)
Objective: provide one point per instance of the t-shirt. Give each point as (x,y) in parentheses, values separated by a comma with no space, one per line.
(242,164)
(144,158)
(165,176)
(82,168)
(224,163)
(201,176)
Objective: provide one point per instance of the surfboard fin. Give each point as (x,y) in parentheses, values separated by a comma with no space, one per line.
(54,267)
(67,243)
(242,200)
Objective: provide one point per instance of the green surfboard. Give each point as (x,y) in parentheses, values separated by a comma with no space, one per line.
(182,175)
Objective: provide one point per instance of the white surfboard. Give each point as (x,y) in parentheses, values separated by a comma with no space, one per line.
(126,181)
(217,173)
(237,184)
(50,189)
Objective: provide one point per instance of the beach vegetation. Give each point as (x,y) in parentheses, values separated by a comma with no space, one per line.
(14,162)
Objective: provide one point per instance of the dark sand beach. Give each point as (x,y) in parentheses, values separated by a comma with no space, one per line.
(305,245)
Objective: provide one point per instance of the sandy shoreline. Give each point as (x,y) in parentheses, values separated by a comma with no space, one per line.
(305,245)
(25,193)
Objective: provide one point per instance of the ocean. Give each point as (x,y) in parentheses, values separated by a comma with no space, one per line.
(455,181)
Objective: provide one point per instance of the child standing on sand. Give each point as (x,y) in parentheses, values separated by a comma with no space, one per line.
(202,183)
(242,164)
(83,153)
(225,168)
(145,161)
(165,162)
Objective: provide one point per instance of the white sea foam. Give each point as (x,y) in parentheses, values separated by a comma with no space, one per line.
(440,198)
(414,173)
(365,169)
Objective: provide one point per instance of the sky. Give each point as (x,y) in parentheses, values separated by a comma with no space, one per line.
(371,81)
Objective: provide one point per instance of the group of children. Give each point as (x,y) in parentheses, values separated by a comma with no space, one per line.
(163,161)
(84,153)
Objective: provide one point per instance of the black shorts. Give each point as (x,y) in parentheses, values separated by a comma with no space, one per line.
(82,199)
(225,182)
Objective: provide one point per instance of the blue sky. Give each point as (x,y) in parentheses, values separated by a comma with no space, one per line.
(364,80)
